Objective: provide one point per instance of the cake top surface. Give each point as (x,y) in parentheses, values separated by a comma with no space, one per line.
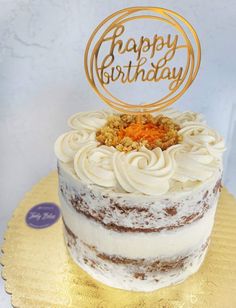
(148,154)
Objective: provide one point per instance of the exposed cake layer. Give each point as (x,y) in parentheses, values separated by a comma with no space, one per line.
(132,245)
(136,212)
(137,274)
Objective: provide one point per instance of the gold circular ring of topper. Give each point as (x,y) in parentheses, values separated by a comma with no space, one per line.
(149,59)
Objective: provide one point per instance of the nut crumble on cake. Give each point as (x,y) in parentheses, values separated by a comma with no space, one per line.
(130,132)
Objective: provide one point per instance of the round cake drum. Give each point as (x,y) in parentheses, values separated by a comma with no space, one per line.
(39,272)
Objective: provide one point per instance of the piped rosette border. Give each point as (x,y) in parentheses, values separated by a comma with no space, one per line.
(151,172)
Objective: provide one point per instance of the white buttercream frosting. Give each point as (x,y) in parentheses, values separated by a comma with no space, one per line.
(151,172)
(184,118)
(199,135)
(145,171)
(93,164)
(194,164)
(68,144)
(88,120)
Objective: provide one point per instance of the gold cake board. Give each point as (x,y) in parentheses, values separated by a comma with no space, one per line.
(39,272)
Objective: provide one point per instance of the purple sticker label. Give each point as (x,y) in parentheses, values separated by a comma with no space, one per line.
(42,215)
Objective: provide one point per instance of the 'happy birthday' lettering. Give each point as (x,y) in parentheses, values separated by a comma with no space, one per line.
(146,52)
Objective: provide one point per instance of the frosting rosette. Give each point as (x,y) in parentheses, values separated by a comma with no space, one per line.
(199,135)
(194,164)
(184,118)
(145,171)
(90,121)
(93,164)
(67,145)
(189,118)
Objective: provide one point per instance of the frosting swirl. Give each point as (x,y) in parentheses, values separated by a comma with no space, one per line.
(67,145)
(145,171)
(90,121)
(189,118)
(184,118)
(194,164)
(93,164)
(199,135)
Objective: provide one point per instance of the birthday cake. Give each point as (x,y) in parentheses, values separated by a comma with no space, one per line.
(138,195)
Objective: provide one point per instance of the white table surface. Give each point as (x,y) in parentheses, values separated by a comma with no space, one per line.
(42,82)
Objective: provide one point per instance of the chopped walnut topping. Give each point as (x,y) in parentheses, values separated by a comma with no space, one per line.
(128,132)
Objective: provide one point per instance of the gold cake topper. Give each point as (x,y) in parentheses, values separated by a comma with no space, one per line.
(112,56)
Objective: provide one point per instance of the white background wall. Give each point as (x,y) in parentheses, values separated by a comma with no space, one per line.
(42,80)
